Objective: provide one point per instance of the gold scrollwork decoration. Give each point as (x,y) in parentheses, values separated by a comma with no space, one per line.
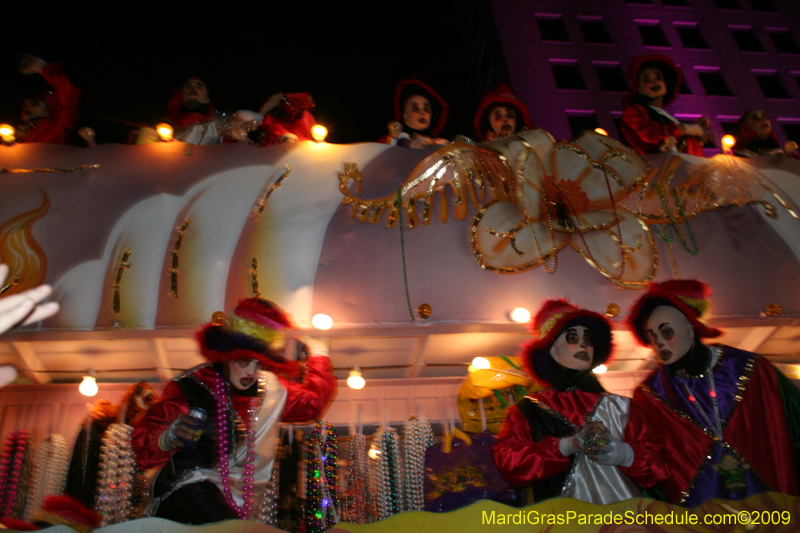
(254,278)
(173,278)
(43,170)
(122,266)
(261,204)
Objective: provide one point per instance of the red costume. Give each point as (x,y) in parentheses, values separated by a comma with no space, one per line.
(502,96)
(531,448)
(440,110)
(293,118)
(645,127)
(62,105)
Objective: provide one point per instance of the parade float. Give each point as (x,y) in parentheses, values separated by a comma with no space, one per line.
(417,257)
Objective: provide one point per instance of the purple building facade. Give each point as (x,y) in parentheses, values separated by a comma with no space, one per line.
(568,59)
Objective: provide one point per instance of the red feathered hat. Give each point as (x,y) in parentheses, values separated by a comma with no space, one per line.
(255,329)
(552,319)
(672,75)
(689,296)
(180,118)
(502,96)
(68,511)
(439,108)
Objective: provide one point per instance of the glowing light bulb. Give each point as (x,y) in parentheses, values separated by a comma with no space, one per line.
(356,381)
(88,386)
(321,321)
(373,453)
(480,363)
(601,131)
(319,132)
(729,140)
(7,133)
(521,315)
(471,368)
(164,131)
(600,369)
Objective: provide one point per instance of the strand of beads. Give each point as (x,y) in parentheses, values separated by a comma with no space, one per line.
(418,437)
(267,510)
(49,472)
(15,469)
(358,504)
(322,487)
(225,448)
(116,478)
(388,482)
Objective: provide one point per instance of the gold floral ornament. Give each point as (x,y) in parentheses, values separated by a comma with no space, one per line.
(568,194)
(455,175)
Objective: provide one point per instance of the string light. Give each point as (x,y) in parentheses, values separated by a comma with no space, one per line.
(88,386)
(481,363)
(520,315)
(356,380)
(7,133)
(321,321)
(164,131)
(319,132)
(728,141)
(601,131)
(600,369)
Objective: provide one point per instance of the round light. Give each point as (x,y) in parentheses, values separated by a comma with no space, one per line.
(601,131)
(480,363)
(600,369)
(319,132)
(373,453)
(321,321)
(356,381)
(7,133)
(164,131)
(729,141)
(88,386)
(471,368)
(521,315)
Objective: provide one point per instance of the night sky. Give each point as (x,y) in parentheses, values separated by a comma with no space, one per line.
(129,60)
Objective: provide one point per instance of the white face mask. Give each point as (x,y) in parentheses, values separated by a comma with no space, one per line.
(242,374)
(574,348)
(669,333)
(417,113)
(503,121)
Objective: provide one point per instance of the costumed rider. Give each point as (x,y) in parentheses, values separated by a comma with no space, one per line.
(646,127)
(245,401)
(49,116)
(731,420)
(574,439)
(281,118)
(193,116)
(500,115)
(756,136)
(419,116)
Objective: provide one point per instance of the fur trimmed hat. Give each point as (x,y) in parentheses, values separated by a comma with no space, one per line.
(689,296)
(439,108)
(670,71)
(551,320)
(501,96)
(255,329)
(68,511)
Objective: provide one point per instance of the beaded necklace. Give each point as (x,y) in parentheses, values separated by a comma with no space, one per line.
(49,472)
(116,475)
(322,487)
(227,446)
(716,427)
(418,437)
(389,479)
(357,496)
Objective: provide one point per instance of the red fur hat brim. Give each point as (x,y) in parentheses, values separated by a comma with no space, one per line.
(665,293)
(405,89)
(500,97)
(219,345)
(537,351)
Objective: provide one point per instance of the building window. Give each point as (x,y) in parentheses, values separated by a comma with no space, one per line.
(746,39)
(648,2)
(580,121)
(763,5)
(690,36)
(771,84)
(729,125)
(713,82)
(792,131)
(595,31)
(567,74)
(676,3)
(552,27)
(783,40)
(652,34)
(684,88)
(611,76)
(728,4)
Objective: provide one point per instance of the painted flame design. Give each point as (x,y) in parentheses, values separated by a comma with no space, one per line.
(20,251)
